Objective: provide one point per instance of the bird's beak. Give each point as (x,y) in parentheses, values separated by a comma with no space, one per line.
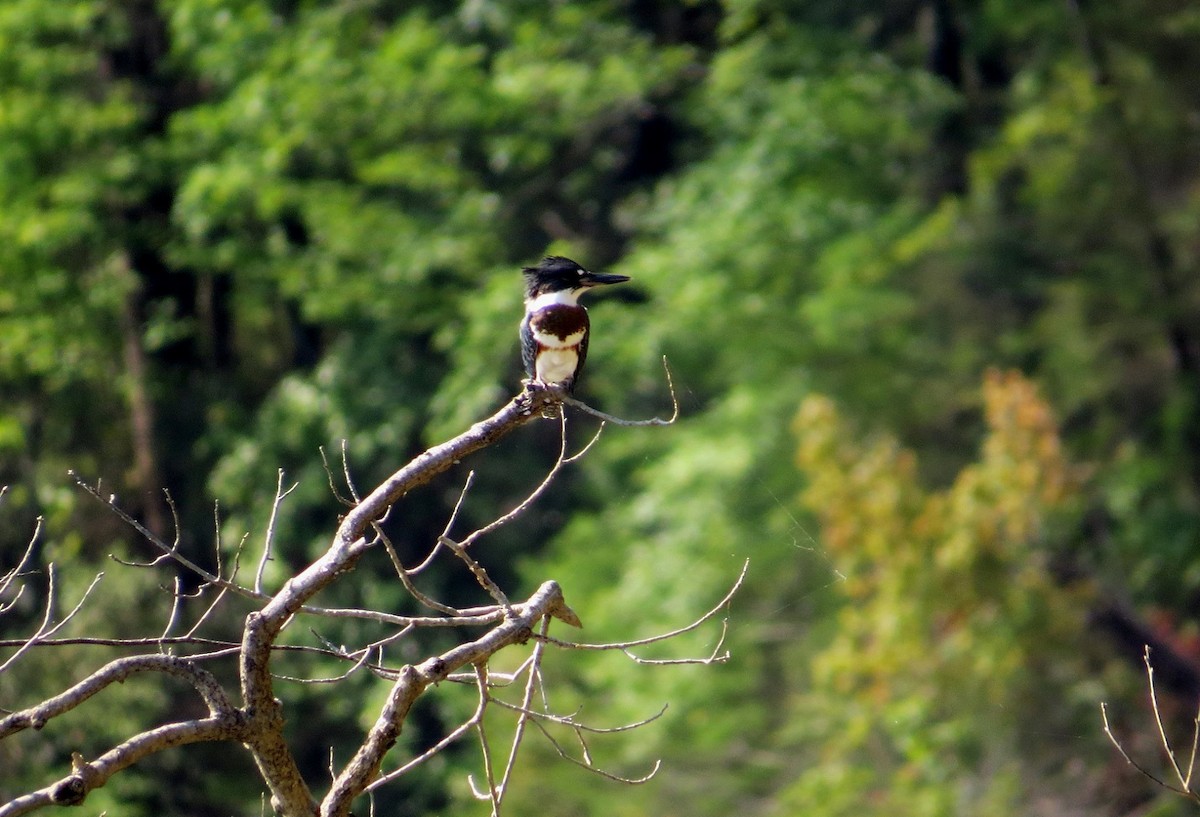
(595,279)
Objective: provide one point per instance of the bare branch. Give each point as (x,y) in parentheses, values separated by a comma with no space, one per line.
(355,667)
(153,641)
(455,735)
(1184,789)
(608,418)
(535,664)
(9,577)
(715,657)
(587,764)
(208,611)
(625,645)
(506,678)
(364,767)
(329,474)
(176,602)
(1162,732)
(485,746)
(578,455)
(147,534)
(406,580)
(228,584)
(480,574)
(86,776)
(529,500)
(569,720)
(346,474)
(217,543)
(45,630)
(268,539)
(155,562)
(1113,739)
(114,672)
(437,546)
(257,721)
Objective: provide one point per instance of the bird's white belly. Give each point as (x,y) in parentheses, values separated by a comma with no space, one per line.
(556,365)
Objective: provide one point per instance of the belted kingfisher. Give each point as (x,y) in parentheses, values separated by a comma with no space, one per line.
(554,333)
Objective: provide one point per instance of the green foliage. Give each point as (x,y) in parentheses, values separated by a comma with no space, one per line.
(305,221)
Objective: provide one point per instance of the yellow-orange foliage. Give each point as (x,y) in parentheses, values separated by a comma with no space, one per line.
(949,586)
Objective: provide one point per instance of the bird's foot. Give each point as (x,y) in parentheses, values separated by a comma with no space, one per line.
(556,392)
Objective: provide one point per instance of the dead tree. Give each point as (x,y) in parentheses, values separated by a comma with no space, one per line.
(253,716)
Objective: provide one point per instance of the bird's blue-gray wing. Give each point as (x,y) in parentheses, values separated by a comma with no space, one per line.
(529,348)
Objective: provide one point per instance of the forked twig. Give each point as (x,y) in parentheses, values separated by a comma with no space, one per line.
(587,764)
(45,630)
(11,576)
(437,546)
(569,720)
(1184,789)
(472,537)
(333,489)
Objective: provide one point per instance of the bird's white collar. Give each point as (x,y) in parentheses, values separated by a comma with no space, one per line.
(568,297)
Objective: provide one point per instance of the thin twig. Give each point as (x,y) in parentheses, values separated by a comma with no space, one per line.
(1162,732)
(653,421)
(329,475)
(462,495)
(150,536)
(459,618)
(45,632)
(505,678)
(208,611)
(474,536)
(1191,767)
(346,474)
(359,664)
(176,603)
(428,601)
(1184,779)
(155,562)
(485,747)
(569,720)
(170,500)
(454,735)
(578,455)
(481,576)
(633,781)
(716,657)
(11,575)
(29,642)
(268,539)
(535,663)
(1113,739)
(625,645)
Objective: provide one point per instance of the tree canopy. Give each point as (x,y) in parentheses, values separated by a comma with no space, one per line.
(925,275)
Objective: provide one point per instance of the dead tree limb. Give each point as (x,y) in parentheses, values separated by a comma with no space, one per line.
(257,719)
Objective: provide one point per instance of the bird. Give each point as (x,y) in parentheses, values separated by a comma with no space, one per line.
(554,331)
